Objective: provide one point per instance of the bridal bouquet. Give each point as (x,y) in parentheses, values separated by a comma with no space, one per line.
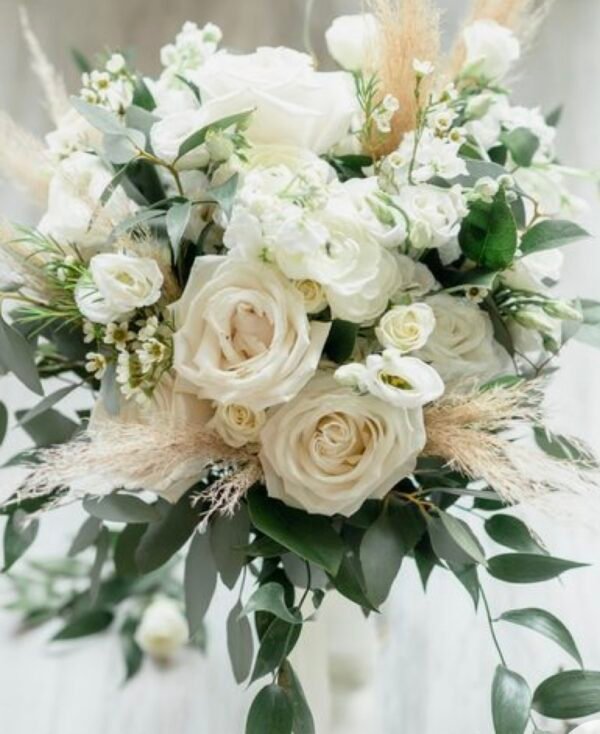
(312,312)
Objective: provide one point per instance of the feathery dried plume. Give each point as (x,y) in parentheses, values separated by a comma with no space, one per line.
(409,30)
(22,266)
(23,160)
(53,85)
(473,431)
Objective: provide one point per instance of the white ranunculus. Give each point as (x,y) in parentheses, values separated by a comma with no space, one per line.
(243,335)
(293,103)
(73,214)
(116,285)
(330,449)
(462,344)
(491,50)
(435,214)
(163,629)
(406,328)
(236,424)
(352,40)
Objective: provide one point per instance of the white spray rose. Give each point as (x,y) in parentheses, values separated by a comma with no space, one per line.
(352,40)
(491,50)
(462,344)
(163,629)
(313,294)
(330,449)
(243,335)
(435,214)
(236,424)
(293,103)
(116,285)
(406,328)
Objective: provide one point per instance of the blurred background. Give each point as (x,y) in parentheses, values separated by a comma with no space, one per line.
(434,662)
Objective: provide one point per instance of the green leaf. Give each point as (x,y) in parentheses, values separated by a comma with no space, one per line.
(48,402)
(164,538)
(511,702)
(312,537)
(98,117)
(239,643)
(522,144)
(193,87)
(124,147)
(178,217)
(124,508)
(17,355)
(102,550)
(568,695)
(88,623)
(560,447)
(49,428)
(132,653)
(444,546)
(553,118)
(19,534)
(271,711)
(303,718)
(3,422)
(263,547)
(512,533)
(142,216)
(81,62)
(546,624)
(551,233)
(200,581)
(480,169)
(341,340)
(198,138)
(468,577)
(528,568)
(349,581)
(463,536)
(276,644)
(86,536)
(271,598)
(228,536)
(381,554)
(224,195)
(142,96)
(488,235)
(128,541)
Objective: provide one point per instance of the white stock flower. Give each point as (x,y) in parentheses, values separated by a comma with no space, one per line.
(243,335)
(352,40)
(163,629)
(406,328)
(330,449)
(116,285)
(462,344)
(491,50)
(435,214)
(293,103)
(73,199)
(192,47)
(237,424)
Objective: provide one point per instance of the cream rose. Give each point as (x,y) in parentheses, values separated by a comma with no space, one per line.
(163,629)
(491,50)
(243,335)
(406,328)
(434,214)
(352,40)
(116,285)
(236,424)
(330,449)
(462,344)
(293,103)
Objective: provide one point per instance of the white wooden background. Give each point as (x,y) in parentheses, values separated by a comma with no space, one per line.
(435,659)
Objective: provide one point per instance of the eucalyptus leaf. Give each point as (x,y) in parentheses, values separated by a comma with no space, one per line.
(444,545)
(124,147)
(100,118)
(86,536)
(88,623)
(197,138)
(271,711)
(132,653)
(528,568)
(17,355)
(271,598)
(140,118)
(102,550)
(48,428)
(349,581)
(3,422)
(568,695)
(118,507)
(142,216)
(224,195)
(177,221)
(110,393)
(276,644)
(19,534)
(200,581)
(511,702)
(551,233)
(463,536)
(48,402)
(126,546)
(240,643)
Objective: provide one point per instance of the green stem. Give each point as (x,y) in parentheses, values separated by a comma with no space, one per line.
(490,621)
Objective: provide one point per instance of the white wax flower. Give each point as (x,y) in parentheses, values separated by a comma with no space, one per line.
(352,40)
(330,449)
(163,629)
(434,156)
(116,285)
(406,328)
(491,50)
(237,424)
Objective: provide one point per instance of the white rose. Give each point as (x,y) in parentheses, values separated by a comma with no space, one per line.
(384,222)
(435,214)
(293,103)
(313,294)
(330,449)
(462,344)
(73,214)
(163,629)
(491,50)
(236,424)
(117,284)
(243,335)
(168,134)
(406,328)
(414,280)
(352,40)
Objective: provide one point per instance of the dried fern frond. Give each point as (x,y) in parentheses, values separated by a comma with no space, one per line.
(473,431)
(52,83)
(23,160)
(409,30)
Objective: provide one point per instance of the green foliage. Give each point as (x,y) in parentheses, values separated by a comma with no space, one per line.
(276,644)
(303,719)
(528,568)
(488,235)
(86,536)
(48,428)
(89,623)
(177,221)
(381,553)
(551,233)
(240,644)
(568,695)
(341,340)
(271,711)
(17,355)
(196,139)
(3,422)
(44,405)
(200,581)
(511,702)
(224,194)
(271,598)
(125,508)
(132,653)
(228,535)
(512,533)
(19,534)
(522,145)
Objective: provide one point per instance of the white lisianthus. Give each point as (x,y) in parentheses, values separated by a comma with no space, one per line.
(237,424)
(293,103)
(406,328)
(163,629)
(435,214)
(243,335)
(117,285)
(330,449)
(491,50)
(73,197)
(352,40)
(462,344)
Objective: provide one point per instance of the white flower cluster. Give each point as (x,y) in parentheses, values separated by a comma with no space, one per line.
(111,87)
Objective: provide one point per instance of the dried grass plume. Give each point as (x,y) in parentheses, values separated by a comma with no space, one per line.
(23,160)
